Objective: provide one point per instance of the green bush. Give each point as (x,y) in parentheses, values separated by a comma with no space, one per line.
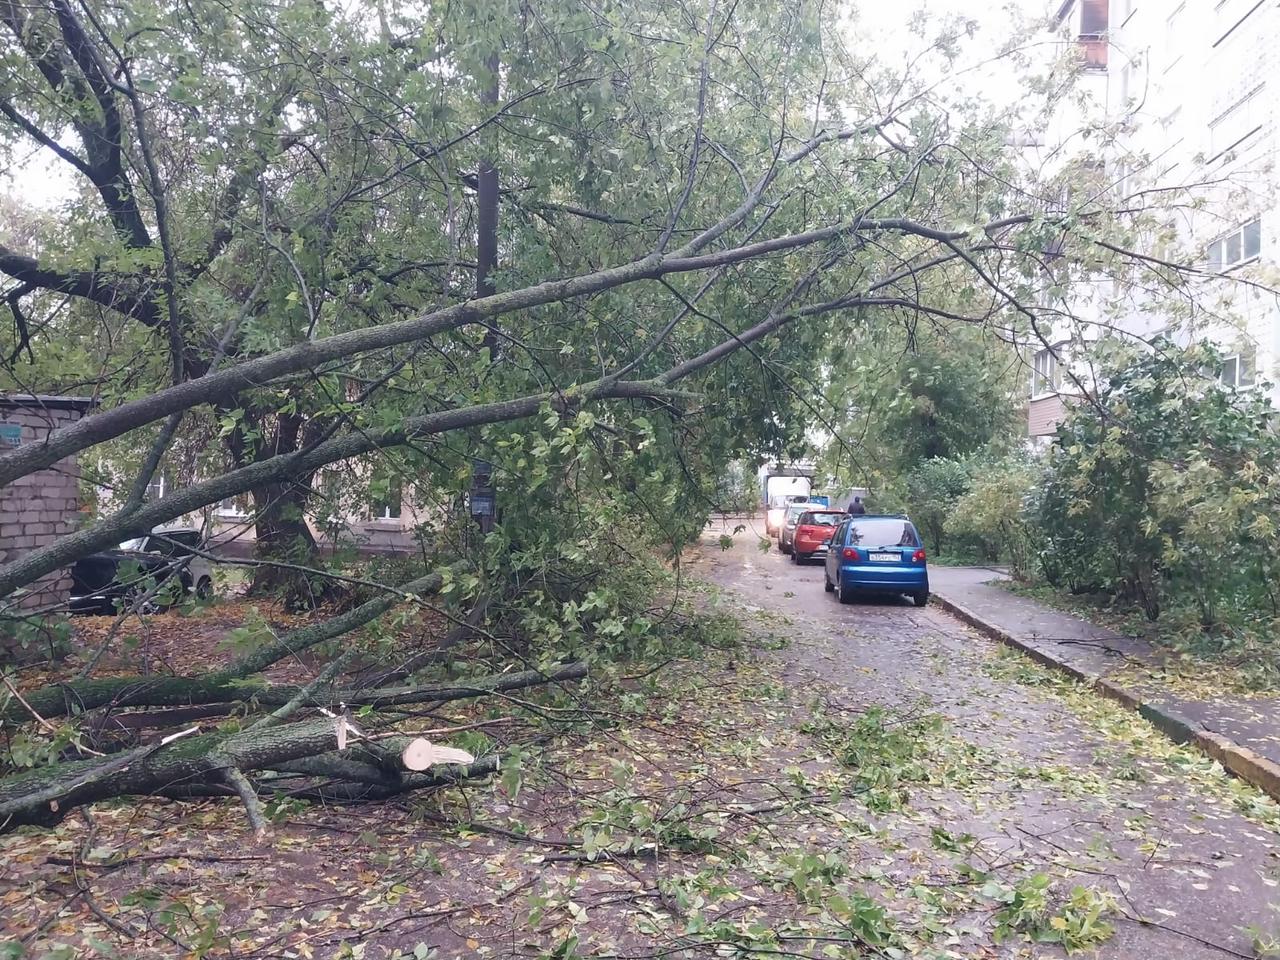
(934,487)
(1166,487)
(993,514)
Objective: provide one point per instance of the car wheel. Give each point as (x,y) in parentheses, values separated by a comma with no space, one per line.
(826,581)
(921,598)
(204,589)
(846,592)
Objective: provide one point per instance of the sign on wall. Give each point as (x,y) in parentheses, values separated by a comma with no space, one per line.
(10,435)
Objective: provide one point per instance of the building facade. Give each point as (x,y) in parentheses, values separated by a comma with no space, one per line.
(1186,91)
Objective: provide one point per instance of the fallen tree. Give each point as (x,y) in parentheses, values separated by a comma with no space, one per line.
(288,293)
(47,794)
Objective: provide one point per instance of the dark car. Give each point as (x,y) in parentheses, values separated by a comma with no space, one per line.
(163,562)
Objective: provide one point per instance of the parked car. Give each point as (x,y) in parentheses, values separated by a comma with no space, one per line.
(786,535)
(105,581)
(813,532)
(880,554)
(776,514)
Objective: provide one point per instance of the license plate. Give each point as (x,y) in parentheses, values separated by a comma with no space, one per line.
(884,557)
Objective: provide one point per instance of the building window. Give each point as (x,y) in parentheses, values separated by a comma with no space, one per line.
(1239,246)
(388,506)
(1046,373)
(1236,123)
(236,506)
(1238,370)
(156,489)
(1092,39)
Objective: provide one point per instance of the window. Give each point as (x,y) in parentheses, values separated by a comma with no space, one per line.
(1238,370)
(883,532)
(1093,16)
(821,519)
(1092,39)
(236,506)
(174,543)
(156,488)
(1046,375)
(1239,246)
(388,506)
(1236,123)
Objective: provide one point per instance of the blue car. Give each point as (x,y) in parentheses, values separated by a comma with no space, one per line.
(873,554)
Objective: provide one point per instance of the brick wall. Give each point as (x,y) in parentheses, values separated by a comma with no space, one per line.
(37,509)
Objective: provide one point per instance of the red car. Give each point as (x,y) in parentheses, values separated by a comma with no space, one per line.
(813,533)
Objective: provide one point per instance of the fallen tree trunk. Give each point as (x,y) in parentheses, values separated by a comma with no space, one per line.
(25,798)
(219,760)
(224,686)
(121,692)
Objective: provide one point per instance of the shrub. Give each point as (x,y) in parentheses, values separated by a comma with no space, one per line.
(933,489)
(993,513)
(1166,486)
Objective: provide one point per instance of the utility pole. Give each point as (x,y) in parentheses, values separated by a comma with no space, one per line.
(483,497)
(487,213)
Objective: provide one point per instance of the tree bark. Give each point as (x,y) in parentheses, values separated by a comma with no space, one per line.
(220,759)
(281,531)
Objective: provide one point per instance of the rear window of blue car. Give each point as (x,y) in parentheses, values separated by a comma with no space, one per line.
(883,532)
(822,519)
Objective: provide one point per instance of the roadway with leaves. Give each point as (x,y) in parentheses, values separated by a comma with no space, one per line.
(787,778)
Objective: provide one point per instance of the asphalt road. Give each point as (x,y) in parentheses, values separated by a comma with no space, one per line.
(1077,786)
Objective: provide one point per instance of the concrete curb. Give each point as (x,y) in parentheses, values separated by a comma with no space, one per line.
(1245,763)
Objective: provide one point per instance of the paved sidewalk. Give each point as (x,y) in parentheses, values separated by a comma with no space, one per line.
(1242,733)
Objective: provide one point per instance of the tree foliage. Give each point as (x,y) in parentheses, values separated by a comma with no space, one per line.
(907,392)
(994,513)
(934,487)
(1163,489)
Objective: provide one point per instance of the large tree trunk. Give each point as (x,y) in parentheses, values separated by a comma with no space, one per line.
(283,536)
(284,540)
(219,760)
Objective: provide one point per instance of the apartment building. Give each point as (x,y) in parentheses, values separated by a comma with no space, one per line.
(1187,91)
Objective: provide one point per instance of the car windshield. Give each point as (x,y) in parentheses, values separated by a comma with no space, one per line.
(883,532)
(134,543)
(795,511)
(822,519)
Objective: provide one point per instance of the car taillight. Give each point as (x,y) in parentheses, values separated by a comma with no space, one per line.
(805,531)
(918,556)
(849,553)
